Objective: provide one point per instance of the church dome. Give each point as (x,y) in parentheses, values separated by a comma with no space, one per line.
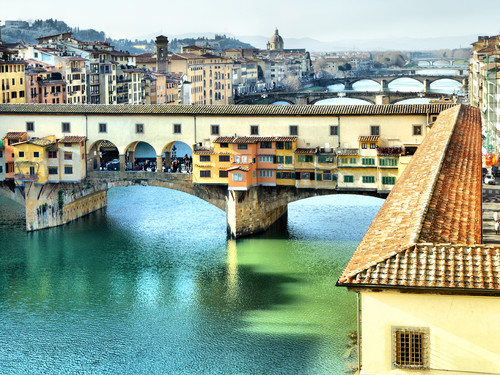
(276,42)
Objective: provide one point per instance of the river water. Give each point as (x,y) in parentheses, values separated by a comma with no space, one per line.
(151,285)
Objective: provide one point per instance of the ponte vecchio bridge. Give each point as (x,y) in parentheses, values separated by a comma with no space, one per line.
(248,211)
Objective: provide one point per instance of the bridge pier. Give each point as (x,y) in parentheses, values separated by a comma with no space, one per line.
(384,85)
(51,205)
(302,100)
(347,85)
(255,210)
(427,85)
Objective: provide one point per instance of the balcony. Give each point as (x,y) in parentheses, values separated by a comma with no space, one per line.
(389,151)
(76,70)
(26,177)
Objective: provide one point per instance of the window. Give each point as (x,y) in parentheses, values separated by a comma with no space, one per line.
(388,162)
(373,146)
(177,128)
(280,145)
(242,146)
(374,130)
(417,129)
(36,154)
(224,145)
(266,159)
(363,146)
(68,169)
(103,128)
(265,173)
(288,145)
(305,176)
(21,154)
(388,180)
(1,168)
(410,348)
(204,157)
(368,179)
(1,153)
(305,158)
(52,170)
(352,161)
(223,173)
(205,174)
(325,158)
(285,175)
(237,177)
(30,126)
(139,128)
(214,130)
(294,130)
(280,159)
(327,176)
(348,179)
(224,158)
(66,127)
(368,161)
(334,130)
(288,159)
(266,145)
(254,129)
(68,156)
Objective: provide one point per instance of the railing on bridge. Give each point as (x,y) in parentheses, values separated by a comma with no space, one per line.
(139,175)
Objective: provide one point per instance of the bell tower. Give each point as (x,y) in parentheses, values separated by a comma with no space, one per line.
(161,54)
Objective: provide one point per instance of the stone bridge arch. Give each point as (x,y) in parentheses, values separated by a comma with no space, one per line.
(367,99)
(101,152)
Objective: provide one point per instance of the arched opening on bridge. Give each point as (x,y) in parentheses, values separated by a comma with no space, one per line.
(446,86)
(282,102)
(347,215)
(424,63)
(336,87)
(177,157)
(103,155)
(406,84)
(342,101)
(140,156)
(366,85)
(414,101)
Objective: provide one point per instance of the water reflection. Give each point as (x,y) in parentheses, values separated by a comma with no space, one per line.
(151,285)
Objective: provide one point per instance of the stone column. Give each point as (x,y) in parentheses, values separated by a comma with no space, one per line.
(381,99)
(122,163)
(158,163)
(253,211)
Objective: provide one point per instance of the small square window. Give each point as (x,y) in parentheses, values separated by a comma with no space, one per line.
(66,127)
(410,348)
(68,169)
(30,126)
(214,129)
(334,130)
(177,128)
(103,128)
(374,130)
(52,170)
(417,129)
(139,128)
(373,146)
(21,154)
(242,146)
(294,130)
(52,154)
(363,145)
(254,129)
(68,156)
(36,154)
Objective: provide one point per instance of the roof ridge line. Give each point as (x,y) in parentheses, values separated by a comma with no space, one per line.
(425,208)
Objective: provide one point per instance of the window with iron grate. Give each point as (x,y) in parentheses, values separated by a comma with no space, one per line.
(410,348)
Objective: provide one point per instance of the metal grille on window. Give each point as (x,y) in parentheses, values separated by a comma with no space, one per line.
(410,348)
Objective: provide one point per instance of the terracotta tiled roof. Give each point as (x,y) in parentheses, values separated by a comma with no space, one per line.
(305,150)
(72,139)
(229,110)
(239,168)
(253,139)
(224,139)
(37,142)
(15,135)
(347,151)
(436,266)
(204,152)
(442,182)
(369,138)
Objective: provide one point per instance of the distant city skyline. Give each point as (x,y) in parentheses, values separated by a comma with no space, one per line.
(323,20)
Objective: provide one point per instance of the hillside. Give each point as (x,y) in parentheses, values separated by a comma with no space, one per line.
(21,30)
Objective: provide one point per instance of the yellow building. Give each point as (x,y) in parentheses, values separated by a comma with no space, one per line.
(12,82)
(30,157)
(43,160)
(285,165)
(428,290)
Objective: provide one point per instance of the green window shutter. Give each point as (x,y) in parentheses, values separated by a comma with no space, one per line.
(319,177)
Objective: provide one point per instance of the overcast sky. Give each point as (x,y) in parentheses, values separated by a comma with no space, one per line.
(325,20)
